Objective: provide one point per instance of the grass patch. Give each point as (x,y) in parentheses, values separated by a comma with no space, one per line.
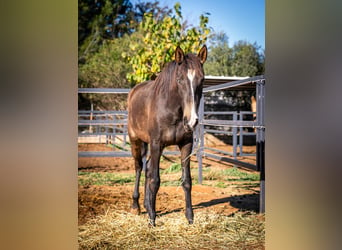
(172,177)
(221,184)
(238,175)
(122,230)
(111,179)
(173,183)
(231,174)
(86,178)
(174,168)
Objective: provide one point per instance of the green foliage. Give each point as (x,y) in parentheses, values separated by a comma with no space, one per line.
(174,168)
(106,29)
(86,178)
(239,175)
(159,40)
(221,184)
(219,56)
(243,59)
(231,174)
(106,69)
(100,20)
(246,60)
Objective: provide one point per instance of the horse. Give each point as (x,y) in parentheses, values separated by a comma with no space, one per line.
(164,112)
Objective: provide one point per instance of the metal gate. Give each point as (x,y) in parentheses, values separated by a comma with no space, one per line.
(236,123)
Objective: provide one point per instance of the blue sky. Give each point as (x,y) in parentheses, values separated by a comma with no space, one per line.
(239,19)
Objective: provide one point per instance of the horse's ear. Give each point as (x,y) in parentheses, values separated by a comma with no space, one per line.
(179,55)
(203,54)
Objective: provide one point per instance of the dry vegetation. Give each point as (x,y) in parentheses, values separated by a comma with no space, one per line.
(122,230)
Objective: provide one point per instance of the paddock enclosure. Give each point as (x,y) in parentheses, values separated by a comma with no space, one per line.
(234,127)
(227,167)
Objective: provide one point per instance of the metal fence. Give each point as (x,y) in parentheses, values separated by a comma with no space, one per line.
(110,127)
(236,123)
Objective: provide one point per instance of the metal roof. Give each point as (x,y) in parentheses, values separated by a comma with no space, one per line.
(216,80)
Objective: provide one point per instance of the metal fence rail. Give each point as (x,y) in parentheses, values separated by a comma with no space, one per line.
(108,127)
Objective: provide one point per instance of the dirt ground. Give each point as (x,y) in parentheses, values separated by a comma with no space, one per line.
(94,200)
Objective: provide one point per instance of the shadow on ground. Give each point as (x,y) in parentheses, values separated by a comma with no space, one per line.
(244,203)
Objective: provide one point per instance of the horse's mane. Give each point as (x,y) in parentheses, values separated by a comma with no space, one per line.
(166,77)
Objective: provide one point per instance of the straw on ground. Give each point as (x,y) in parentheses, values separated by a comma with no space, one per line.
(122,230)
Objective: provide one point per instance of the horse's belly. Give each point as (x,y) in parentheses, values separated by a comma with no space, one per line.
(137,130)
(175,135)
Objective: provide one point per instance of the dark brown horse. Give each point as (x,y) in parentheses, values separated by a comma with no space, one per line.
(161,113)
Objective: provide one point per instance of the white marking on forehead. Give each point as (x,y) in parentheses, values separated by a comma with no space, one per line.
(193,115)
(191,74)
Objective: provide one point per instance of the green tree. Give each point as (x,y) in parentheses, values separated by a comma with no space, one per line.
(159,40)
(219,58)
(246,60)
(99,20)
(106,29)
(243,59)
(106,69)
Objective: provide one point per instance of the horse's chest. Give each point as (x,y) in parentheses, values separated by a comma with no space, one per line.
(174,134)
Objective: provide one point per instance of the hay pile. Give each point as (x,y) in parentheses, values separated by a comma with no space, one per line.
(122,230)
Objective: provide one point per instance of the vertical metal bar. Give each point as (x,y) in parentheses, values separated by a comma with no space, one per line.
(114,131)
(106,129)
(241,135)
(91,117)
(260,93)
(234,136)
(124,130)
(98,127)
(200,138)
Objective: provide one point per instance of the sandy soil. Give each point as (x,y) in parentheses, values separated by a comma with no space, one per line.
(94,200)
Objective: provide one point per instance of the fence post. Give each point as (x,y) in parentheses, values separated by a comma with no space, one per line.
(91,117)
(124,131)
(200,137)
(260,157)
(241,134)
(106,130)
(235,135)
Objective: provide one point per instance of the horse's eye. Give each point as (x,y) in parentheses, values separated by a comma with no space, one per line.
(179,81)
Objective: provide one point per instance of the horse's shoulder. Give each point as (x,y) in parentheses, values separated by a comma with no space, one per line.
(139,87)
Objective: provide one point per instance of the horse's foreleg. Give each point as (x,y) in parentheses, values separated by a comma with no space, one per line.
(186,180)
(152,181)
(138,153)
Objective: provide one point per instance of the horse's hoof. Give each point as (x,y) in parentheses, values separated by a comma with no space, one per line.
(191,222)
(151,223)
(135,211)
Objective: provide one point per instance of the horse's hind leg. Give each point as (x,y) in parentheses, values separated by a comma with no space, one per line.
(139,150)
(186,180)
(152,182)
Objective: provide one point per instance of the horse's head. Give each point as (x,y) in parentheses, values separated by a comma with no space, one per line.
(189,80)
